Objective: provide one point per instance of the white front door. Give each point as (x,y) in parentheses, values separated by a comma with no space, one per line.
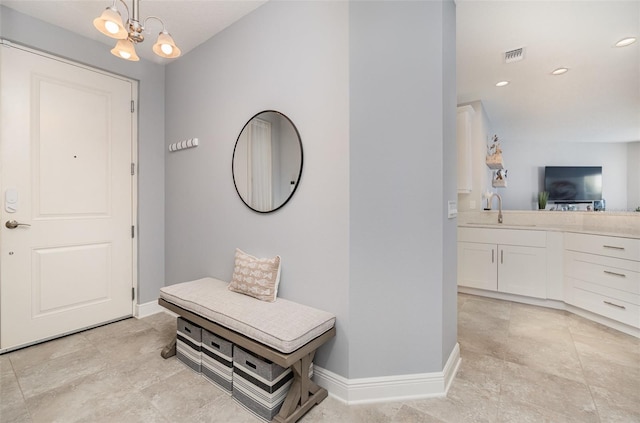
(66,148)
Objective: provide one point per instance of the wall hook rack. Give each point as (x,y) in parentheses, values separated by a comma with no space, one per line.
(181,145)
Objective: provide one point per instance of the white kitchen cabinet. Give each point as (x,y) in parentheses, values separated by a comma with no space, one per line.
(522,270)
(464,147)
(602,275)
(477,265)
(503,260)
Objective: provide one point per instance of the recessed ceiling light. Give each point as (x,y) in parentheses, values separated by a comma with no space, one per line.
(626,42)
(560,71)
(502,83)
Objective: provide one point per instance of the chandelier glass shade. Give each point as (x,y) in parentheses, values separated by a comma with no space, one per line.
(124,49)
(165,46)
(110,23)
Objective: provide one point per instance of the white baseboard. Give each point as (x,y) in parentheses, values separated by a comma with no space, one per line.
(556,304)
(150,308)
(629,330)
(389,388)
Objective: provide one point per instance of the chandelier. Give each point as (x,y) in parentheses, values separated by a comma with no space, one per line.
(110,24)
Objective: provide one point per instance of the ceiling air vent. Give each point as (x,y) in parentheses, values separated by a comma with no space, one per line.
(514,55)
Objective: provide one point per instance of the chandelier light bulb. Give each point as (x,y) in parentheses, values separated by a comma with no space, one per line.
(111,26)
(166,49)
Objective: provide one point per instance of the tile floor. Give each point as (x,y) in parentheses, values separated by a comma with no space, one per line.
(519,364)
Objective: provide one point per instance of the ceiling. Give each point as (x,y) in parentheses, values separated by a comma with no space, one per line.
(597,100)
(190,22)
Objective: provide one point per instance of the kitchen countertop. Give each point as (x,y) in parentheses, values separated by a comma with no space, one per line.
(620,232)
(625,225)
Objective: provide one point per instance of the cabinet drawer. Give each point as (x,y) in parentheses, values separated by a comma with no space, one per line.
(606,306)
(526,238)
(615,294)
(610,246)
(622,275)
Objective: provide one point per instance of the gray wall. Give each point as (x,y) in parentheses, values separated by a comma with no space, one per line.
(526,163)
(211,93)
(397,168)
(364,235)
(449,182)
(34,33)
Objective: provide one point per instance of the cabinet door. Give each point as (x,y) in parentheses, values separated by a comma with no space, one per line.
(522,270)
(477,266)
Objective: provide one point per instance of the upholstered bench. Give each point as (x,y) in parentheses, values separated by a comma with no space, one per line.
(284,332)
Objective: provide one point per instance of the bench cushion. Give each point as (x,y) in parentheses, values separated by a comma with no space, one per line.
(282,325)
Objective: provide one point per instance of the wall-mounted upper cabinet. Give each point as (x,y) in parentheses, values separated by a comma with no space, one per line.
(464,138)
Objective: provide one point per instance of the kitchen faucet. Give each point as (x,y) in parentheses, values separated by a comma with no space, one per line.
(495,194)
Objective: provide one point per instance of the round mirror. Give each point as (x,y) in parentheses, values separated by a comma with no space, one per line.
(267,161)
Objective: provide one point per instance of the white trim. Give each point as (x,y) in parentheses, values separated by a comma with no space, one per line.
(149,309)
(629,330)
(135,239)
(389,388)
(541,302)
(74,62)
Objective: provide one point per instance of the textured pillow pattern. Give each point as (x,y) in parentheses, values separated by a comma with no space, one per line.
(256,277)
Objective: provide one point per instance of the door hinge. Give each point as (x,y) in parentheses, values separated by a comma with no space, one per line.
(133,231)
(133,169)
(133,106)
(133,293)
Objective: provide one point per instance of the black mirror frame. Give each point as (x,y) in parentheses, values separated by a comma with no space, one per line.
(295,128)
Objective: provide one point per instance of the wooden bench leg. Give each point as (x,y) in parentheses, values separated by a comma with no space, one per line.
(170,349)
(303,394)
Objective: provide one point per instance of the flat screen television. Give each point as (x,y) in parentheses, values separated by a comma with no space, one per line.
(573,184)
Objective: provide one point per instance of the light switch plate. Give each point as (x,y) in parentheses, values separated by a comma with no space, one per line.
(452,209)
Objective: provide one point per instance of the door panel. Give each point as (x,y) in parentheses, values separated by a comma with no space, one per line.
(66,145)
(58,283)
(58,190)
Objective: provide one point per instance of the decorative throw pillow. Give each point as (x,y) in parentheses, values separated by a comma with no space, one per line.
(256,277)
